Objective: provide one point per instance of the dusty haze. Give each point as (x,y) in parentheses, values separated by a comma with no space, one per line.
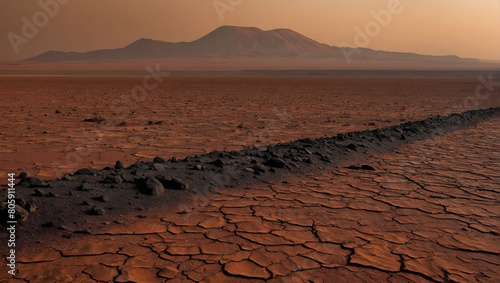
(460,27)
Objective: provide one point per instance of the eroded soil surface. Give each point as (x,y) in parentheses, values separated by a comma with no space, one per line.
(42,130)
(428,212)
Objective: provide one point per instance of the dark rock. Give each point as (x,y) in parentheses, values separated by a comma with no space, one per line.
(113,179)
(85,187)
(275,162)
(151,186)
(32,182)
(97,211)
(102,198)
(367,167)
(41,193)
(67,177)
(174,159)
(198,167)
(119,165)
(173,183)
(158,160)
(94,120)
(354,167)
(218,163)
(159,167)
(23,175)
(259,168)
(352,146)
(87,171)
(122,124)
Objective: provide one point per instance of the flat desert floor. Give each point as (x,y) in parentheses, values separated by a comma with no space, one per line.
(43,133)
(427,212)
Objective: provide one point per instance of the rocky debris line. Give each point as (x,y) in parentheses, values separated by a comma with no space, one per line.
(126,188)
(437,222)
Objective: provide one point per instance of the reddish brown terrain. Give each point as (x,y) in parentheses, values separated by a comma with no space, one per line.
(420,210)
(43,133)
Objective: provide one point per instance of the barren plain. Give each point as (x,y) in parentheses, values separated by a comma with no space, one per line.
(405,210)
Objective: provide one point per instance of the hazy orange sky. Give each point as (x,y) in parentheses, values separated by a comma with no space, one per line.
(467,28)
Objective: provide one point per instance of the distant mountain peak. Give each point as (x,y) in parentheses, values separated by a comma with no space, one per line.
(234,41)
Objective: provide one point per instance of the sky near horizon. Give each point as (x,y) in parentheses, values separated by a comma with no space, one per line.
(465,28)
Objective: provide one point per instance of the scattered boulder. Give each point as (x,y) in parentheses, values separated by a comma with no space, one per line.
(42,193)
(85,187)
(97,211)
(158,160)
(32,182)
(87,171)
(113,179)
(259,168)
(275,162)
(354,167)
(218,163)
(94,120)
(173,183)
(67,177)
(367,167)
(151,186)
(119,165)
(198,167)
(102,198)
(23,175)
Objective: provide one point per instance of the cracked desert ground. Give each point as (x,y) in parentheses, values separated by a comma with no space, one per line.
(429,212)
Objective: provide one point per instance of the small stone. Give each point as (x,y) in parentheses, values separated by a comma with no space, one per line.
(218,163)
(67,177)
(119,165)
(259,168)
(275,162)
(367,167)
(41,193)
(352,146)
(85,187)
(32,182)
(158,160)
(173,183)
(354,167)
(102,198)
(97,211)
(174,159)
(113,179)
(151,186)
(24,175)
(198,167)
(87,171)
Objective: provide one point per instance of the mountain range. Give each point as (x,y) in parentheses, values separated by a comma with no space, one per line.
(237,42)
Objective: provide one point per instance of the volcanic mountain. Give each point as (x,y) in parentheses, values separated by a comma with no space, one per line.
(231,41)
